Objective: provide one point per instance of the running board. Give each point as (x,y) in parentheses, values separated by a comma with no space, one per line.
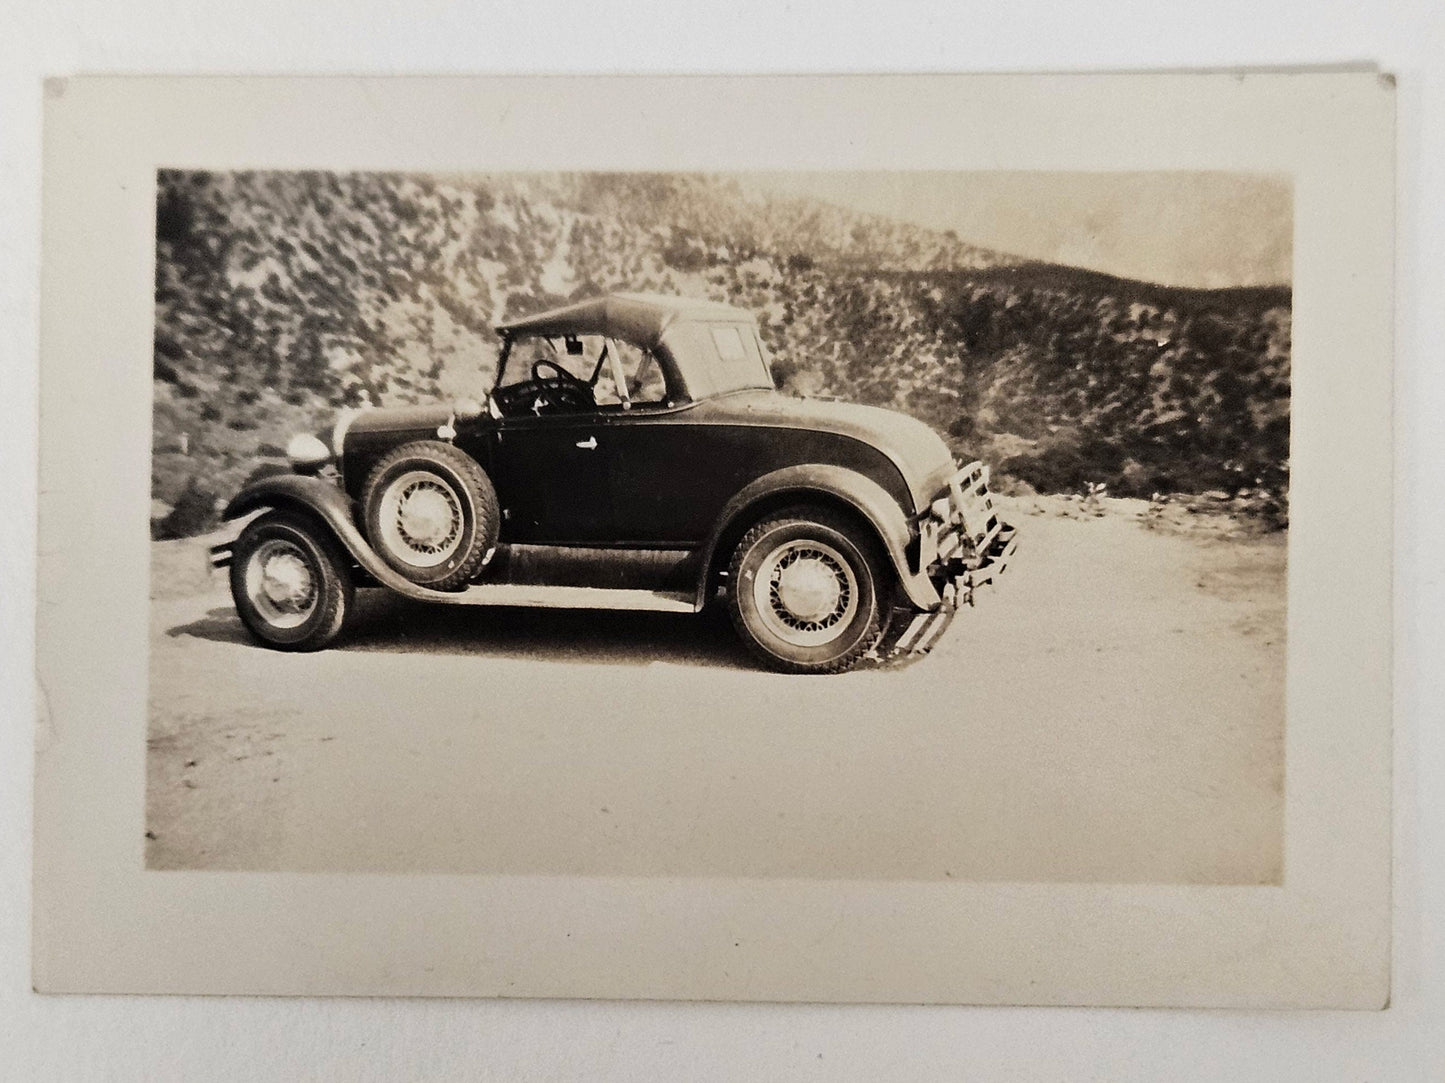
(542,595)
(550,597)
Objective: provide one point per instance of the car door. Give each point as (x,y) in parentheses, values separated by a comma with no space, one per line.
(552,480)
(670,477)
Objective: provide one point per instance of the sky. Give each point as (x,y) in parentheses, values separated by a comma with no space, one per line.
(1207,229)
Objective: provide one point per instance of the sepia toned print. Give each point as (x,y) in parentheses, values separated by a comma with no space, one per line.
(1116,779)
(1110,710)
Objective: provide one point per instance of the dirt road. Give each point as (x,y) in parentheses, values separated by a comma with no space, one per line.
(1113,711)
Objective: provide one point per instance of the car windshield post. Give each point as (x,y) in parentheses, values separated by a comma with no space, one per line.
(501,364)
(619,376)
(602,359)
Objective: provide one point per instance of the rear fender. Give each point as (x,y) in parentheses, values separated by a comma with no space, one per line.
(862,494)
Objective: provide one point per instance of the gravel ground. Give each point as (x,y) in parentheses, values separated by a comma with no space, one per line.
(1112,711)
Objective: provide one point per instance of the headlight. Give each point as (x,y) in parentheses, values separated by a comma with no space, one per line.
(307,454)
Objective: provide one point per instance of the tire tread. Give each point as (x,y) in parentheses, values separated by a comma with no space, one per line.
(336,591)
(486,510)
(806,516)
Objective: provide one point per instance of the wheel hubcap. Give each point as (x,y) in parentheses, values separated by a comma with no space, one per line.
(421,519)
(806,593)
(281,584)
(809,589)
(426,516)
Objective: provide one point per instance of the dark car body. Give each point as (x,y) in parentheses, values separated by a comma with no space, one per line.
(649,498)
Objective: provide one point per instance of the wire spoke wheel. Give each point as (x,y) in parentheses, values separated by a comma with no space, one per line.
(806,592)
(281,583)
(431,513)
(290,581)
(421,518)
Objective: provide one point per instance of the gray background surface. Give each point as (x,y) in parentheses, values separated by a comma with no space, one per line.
(160,1038)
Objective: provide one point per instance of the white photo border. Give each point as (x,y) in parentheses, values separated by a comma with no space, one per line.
(103,923)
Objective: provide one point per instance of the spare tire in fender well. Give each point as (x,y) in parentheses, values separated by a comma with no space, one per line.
(445,543)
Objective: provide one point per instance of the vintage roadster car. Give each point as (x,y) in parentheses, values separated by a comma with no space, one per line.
(633,454)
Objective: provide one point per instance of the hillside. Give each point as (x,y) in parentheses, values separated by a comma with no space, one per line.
(283,296)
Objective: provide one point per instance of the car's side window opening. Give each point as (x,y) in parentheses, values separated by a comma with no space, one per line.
(729,343)
(555,375)
(527,352)
(741,354)
(595,373)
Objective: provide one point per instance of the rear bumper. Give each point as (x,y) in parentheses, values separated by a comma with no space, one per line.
(963,545)
(963,575)
(914,634)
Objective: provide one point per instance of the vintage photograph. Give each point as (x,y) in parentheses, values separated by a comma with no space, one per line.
(611,538)
(887,540)
(967,492)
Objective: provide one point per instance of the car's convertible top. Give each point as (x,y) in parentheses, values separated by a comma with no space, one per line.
(638,318)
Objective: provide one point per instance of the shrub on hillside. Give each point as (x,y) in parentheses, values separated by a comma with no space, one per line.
(331,290)
(194,513)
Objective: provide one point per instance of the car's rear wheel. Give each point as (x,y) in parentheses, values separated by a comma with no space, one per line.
(432,513)
(804,591)
(291,582)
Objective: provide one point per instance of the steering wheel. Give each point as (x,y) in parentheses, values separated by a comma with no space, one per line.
(562,375)
(561,389)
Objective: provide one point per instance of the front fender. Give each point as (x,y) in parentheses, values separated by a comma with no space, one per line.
(863,494)
(328,503)
(300,491)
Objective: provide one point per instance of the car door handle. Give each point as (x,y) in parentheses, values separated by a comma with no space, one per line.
(589,443)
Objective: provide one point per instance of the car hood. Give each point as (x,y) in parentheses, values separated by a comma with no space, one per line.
(919,453)
(916,450)
(398,418)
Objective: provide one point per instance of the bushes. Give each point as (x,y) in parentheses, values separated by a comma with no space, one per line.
(1070,468)
(684,253)
(784,370)
(1059,469)
(194,512)
(290,293)
(1070,462)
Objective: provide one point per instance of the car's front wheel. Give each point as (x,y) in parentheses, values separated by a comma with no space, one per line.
(290,582)
(804,590)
